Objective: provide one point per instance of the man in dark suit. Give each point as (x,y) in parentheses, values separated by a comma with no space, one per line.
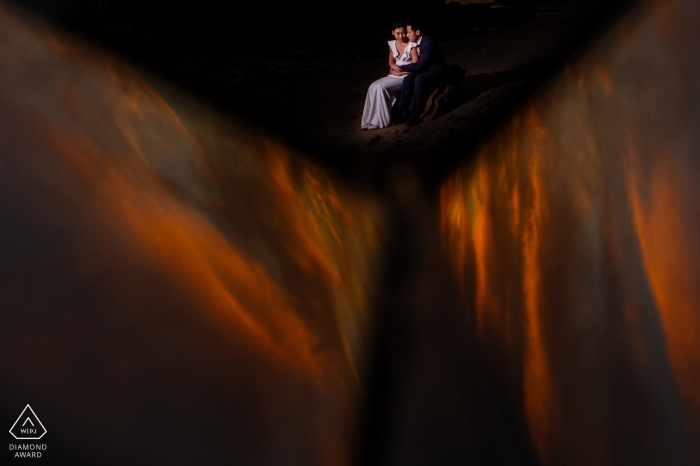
(424,75)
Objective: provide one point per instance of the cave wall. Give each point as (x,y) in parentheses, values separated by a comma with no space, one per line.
(574,236)
(175,287)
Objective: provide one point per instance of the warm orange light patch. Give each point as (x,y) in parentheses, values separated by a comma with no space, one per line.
(671,264)
(605,80)
(163,234)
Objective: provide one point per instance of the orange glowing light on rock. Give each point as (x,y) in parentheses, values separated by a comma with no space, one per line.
(573,235)
(537,389)
(669,250)
(215,250)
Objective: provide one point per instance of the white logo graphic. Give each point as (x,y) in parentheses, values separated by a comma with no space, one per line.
(28,426)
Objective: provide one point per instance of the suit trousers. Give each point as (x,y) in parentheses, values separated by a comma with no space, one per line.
(416,89)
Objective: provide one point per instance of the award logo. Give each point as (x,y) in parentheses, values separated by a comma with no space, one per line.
(28,426)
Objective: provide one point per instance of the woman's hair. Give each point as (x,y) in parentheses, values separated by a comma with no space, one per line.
(398,24)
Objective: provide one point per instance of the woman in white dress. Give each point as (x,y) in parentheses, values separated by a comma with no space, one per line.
(383,93)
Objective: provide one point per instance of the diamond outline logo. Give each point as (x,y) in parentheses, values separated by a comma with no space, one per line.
(37,420)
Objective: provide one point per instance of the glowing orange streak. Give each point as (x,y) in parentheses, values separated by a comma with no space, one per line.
(452,209)
(301,246)
(481,232)
(537,378)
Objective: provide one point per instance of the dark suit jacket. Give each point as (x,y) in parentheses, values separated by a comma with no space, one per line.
(430,58)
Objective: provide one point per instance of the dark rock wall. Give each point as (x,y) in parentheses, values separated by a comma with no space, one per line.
(574,235)
(174,288)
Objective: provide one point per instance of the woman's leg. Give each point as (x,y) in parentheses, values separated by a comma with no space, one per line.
(381,96)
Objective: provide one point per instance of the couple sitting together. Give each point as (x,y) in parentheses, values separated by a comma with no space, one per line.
(417,66)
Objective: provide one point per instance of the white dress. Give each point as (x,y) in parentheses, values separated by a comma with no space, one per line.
(383,92)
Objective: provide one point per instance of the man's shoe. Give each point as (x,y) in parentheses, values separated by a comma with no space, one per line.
(413,120)
(403,117)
